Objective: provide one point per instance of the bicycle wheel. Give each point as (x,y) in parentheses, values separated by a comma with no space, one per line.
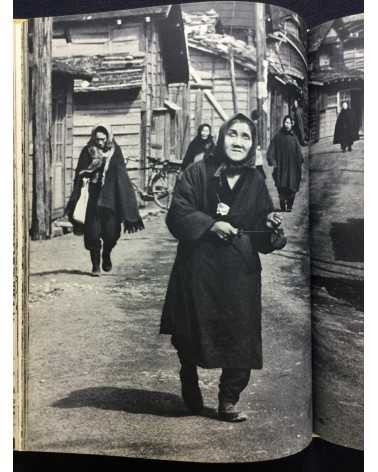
(162,186)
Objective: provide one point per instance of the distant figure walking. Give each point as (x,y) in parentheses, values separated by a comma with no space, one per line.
(200,146)
(298,127)
(346,131)
(111,199)
(285,156)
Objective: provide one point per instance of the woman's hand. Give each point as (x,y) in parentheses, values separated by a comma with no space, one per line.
(224,230)
(273,220)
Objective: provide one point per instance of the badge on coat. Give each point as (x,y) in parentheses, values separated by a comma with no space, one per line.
(222,209)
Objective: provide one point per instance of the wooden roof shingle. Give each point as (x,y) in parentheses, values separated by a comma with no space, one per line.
(111,72)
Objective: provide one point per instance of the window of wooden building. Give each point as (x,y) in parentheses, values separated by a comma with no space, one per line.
(58,155)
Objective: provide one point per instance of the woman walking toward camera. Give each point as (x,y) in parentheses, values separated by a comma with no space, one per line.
(200,146)
(346,131)
(111,200)
(222,215)
(285,156)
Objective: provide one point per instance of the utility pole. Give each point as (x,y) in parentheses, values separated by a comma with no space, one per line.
(262,74)
(41,116)
(233,81)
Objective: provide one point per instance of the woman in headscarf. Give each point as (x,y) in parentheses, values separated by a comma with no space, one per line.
(298,125)
(222,215)
(200,146)
(111,199)
(285,156)
(346,131)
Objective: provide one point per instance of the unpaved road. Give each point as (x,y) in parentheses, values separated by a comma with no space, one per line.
(102,380)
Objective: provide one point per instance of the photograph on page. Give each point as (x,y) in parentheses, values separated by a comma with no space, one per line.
(169,296)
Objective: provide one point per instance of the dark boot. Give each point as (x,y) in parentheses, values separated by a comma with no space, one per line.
(228,412)
(95,258)
(106,261)
(283,205)
(290,204)
(191,393)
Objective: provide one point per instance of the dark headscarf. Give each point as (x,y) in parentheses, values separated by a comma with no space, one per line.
(220,154)
(198,146)
(283,128)
(109,137)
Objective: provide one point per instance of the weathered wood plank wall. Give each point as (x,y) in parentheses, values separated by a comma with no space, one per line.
(119,110)
(215,72)
(41,127)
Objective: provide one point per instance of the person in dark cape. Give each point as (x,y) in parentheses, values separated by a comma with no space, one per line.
(285,156)
(222,215)
(111,201)
(200,146)
(345,129)
(298,124)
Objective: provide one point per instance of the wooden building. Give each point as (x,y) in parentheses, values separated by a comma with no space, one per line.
(61,139)
(213,30)
(134,56)
(336,61)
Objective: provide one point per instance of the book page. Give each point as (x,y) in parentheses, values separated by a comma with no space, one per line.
(336,61)
(156,88)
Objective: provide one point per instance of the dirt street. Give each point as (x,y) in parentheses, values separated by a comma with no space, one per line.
(337,295)
(102,380)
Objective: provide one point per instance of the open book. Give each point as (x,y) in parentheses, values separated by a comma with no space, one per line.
(157,86)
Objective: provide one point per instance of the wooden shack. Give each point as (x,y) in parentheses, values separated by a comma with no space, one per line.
(61,138)
(336,60)
(134,56)
(213,70)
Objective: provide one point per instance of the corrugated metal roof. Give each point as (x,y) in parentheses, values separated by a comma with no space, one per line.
(160,10)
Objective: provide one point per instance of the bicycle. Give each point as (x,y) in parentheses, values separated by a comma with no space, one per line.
(160,183)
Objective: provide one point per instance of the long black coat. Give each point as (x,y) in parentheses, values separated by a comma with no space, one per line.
(213,301)
(346,131)
(196,147)
(298,128)
(285,155)
(117,193)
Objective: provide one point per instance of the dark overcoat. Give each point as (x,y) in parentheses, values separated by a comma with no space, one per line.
(298,127)
(213,300)
(196,147)
(285,155)
(116,194)
(346,131)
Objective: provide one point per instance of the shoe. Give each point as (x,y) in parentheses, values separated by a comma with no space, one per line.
(106,262)
(95,258)
(228,412)
(190,391)
(283,205)
(96,271)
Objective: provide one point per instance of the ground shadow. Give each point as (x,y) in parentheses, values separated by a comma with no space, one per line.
(351,291)
(348,240)
(61,271)
(129,400)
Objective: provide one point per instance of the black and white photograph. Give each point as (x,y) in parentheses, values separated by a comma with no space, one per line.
(336,64)
(169,310)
